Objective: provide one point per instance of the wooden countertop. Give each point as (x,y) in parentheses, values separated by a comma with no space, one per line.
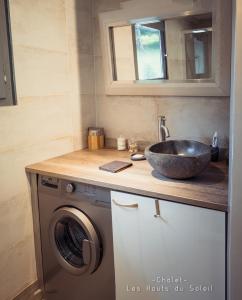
(209,190)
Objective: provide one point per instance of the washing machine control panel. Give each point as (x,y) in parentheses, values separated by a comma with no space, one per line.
(49,182)
(96,195)
(70,188)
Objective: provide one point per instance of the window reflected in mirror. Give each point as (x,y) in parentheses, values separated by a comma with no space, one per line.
(178,49)
(150,51)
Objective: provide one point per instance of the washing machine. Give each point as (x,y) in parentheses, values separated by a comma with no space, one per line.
(76,240)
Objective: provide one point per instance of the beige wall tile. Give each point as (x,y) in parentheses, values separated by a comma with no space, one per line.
(76,99)
(187,118)
(82,73)
(15,211)
(17,268)
(196,118)
(79,6)
(80,27)
(34,121)
(99,76)
(44,24)
(87,74)
(88,109)
(40,72)
(13,162)
(106,5)
(128,116)
(97,48)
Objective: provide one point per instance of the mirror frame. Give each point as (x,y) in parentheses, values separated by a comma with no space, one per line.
(129,14)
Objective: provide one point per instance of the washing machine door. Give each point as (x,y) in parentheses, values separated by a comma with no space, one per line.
(75,241)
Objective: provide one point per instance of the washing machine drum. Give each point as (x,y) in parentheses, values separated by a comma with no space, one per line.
(75,241)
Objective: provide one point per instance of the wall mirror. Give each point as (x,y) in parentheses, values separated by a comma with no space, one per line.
(177,49)
(182,51)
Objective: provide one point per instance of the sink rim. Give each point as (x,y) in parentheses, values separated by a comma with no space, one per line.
(148,149)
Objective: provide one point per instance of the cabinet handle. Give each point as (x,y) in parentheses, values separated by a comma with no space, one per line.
(157,207)
(135,205)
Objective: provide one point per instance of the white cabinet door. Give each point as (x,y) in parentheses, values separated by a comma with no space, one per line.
(178,256)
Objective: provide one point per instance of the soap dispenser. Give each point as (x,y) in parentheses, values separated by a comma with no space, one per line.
(215,148)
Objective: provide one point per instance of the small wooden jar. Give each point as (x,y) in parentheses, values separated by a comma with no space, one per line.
(95,138)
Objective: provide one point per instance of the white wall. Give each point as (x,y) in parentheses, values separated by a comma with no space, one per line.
(235,216)
(54,71)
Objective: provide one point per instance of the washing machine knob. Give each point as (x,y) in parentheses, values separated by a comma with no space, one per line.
(70,188)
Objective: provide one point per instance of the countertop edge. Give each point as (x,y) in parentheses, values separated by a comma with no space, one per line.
(142,192)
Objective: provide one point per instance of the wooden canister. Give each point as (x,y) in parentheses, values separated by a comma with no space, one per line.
(95,138)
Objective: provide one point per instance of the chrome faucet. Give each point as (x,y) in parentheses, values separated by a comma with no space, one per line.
(163,131)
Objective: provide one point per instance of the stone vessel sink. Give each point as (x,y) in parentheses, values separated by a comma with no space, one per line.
(178,159)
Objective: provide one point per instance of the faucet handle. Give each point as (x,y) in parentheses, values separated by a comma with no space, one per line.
(167,133)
